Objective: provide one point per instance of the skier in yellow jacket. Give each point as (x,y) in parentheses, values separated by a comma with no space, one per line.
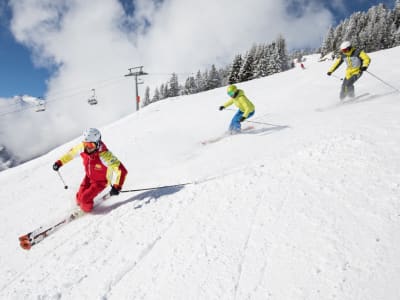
(246,108)
(357,62)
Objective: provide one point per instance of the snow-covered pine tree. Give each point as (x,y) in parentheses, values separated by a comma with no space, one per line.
(213,80)
(173,86)
(156,96)
(190,86)
(200,84)
(328,43)
(282,53)
(223,74)
(274,65)
(146,100)
(247,69)
(235,69)
(261,69)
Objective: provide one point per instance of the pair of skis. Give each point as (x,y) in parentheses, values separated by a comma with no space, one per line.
(218,138)
(27,241)
(353,100)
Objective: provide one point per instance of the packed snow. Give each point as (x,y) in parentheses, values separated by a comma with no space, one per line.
(304,206)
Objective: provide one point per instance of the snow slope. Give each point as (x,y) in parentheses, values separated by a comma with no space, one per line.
(305,206)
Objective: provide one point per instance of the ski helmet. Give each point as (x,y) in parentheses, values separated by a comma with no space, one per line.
(232,89)
(91,135)
(345,45)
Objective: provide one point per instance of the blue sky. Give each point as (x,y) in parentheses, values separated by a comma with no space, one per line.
(19,75)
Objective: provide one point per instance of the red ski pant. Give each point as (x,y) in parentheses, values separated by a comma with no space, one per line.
(88,190)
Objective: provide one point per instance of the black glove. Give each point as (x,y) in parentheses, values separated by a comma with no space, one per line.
(242,119)
(221,107)
(329,73)
(57,165)
(363,68)
(114,191)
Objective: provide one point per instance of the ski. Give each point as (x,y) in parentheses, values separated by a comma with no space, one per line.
(218,138)
(27,241)
(353,100)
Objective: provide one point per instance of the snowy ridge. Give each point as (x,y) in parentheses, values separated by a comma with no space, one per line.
(305,206)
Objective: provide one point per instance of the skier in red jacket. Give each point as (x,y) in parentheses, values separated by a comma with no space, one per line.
(101,168)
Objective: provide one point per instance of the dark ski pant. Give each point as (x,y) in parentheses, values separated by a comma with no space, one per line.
(348,86)
(88,190)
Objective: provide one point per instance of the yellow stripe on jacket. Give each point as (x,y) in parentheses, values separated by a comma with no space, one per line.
(113,165)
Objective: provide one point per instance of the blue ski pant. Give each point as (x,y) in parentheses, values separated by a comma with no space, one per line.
(235,123)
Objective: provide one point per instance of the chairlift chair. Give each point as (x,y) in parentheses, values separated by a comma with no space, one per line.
(40,106)
(92,100)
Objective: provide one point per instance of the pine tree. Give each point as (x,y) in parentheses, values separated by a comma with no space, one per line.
(146,96)
(261,69)
(235,69)
(190,86)
(282,54)
(327,45)
(156,96)
(247,69)
(200,84)
(214,79)
(173,86)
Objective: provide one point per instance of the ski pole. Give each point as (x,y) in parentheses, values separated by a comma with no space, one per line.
(264,123)
(155,188)
(62,179)
(337,77)
(382,81)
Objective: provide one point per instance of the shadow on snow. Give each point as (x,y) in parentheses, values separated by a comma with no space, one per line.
(143,198)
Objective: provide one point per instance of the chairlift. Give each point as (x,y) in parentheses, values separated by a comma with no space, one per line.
(92,100)
(41,105)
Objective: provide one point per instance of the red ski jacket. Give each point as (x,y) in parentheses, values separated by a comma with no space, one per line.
(100,165)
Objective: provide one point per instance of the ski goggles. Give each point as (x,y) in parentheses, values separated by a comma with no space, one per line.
(90,145)
(231,94)
(345,50)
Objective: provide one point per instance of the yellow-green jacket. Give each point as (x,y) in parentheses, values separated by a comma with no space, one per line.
(355,59)
(242,103)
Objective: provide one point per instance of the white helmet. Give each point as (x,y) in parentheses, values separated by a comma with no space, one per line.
(345,45)
(92,135)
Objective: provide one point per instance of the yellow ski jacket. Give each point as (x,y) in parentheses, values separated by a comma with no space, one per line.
(242,103)
(355,59)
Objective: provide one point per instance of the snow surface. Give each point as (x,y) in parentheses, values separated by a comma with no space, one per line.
(305,206)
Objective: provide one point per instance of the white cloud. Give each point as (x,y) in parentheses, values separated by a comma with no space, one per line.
(92,41)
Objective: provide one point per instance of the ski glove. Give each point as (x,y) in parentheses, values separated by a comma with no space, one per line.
(329,73)
(57,165)
(221,107)
(363,68)
(114,191)
(242,119)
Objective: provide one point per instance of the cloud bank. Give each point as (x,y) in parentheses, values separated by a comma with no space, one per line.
(91,44)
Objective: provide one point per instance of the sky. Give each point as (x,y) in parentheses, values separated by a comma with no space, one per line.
(304,206)
(34,43)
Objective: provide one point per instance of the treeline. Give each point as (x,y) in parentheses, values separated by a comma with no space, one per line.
(259,61)
(374,30)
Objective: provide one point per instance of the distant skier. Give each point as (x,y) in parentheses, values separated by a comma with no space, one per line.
(357,62)
(246,108)
(302,66)
(101,168)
